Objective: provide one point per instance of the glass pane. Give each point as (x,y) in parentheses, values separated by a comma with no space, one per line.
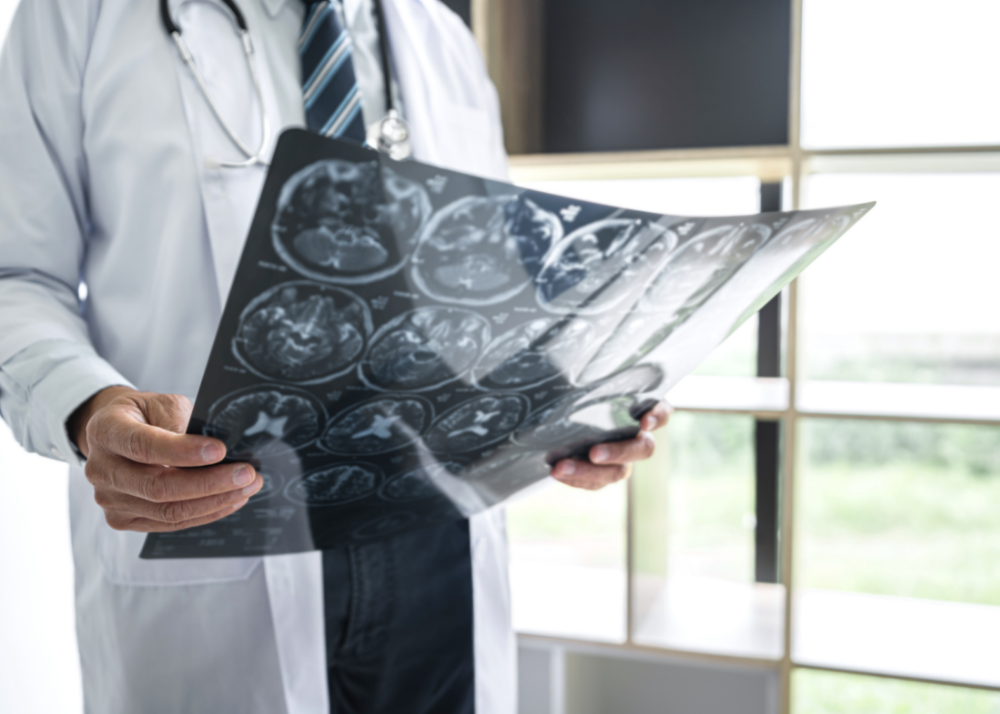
(898,549)
(816,692)
(706,599)
(567,552)
(711,497)
(898,508)
(911,294)
(739,195)
(900,73)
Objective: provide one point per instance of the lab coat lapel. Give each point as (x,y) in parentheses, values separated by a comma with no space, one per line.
(229,195)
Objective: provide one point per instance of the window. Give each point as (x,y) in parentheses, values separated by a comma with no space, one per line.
(883,589)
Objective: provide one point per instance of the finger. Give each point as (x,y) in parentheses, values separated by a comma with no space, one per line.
(175,512)
(580,474)
(146,525)
(163,484)
(167,411)
(656,417)
(624,452)
(120,429)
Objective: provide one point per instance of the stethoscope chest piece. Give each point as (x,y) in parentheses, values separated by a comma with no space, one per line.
(391,136)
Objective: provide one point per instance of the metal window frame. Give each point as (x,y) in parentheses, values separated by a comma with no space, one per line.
(770,164)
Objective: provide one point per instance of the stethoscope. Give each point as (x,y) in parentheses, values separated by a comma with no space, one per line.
(392,134)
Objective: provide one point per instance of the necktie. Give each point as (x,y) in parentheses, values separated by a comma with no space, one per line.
(330,89)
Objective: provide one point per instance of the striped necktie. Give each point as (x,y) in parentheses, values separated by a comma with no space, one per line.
(330,89)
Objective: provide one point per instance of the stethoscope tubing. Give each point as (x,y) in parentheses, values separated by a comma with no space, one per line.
(392,122)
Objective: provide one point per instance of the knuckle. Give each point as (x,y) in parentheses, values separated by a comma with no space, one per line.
(155,488)
(173,513)
(102,498)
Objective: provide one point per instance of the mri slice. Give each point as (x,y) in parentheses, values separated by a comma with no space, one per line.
(417,484)
(477,423)
(343,222)
(335,485)
(377,426)
(272,485)
(425,348)
(481,250)
(532,353)
(699,267)
(599,265)
(302,333)
(271,419)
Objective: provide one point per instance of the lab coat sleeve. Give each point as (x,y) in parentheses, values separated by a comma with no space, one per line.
(48,366)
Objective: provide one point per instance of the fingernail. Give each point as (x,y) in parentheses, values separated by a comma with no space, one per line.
(212,453)
(244,475)
(600,454)
(240,505)
(652,423)
(252,488)
(566,468)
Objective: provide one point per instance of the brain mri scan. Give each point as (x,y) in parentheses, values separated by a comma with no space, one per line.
(417,484)
(425,348)
(532,353)
(477,423)
(302,333)
(272,485)
(482,250)
(271,419)
(597,266)
(343,222)
(335,485)
(699,267)
(377,426)
(586,413)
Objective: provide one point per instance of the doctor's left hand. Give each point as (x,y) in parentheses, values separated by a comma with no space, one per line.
(148,475)
(610,463)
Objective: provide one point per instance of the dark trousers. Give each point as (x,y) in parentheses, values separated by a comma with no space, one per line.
(399,636)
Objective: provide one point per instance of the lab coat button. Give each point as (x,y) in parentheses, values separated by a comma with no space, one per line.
(55,451)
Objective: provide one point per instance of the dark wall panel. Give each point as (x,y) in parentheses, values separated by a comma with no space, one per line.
(462,7)
(664,74)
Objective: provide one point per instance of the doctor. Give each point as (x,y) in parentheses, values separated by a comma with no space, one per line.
(116,173)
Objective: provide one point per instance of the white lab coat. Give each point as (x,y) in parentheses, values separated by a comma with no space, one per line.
(103,139)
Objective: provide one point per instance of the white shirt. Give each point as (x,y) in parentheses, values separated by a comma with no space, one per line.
(103,140)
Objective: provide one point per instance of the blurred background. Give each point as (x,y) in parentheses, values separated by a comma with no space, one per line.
(818,532)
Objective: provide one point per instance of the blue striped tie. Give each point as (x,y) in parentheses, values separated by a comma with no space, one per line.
(330,90)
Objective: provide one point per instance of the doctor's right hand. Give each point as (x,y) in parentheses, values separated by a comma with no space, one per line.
(148,475)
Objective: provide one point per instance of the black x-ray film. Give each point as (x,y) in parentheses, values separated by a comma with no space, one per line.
(405,345)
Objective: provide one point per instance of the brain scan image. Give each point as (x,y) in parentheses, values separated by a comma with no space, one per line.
(343,222)
(477,423)
(574,418)
(482,250)
(335,485)
(699,267)
(302,333)
(417,484)
(384,525)
(271,419)
(640,379)
(600,264)
(532,353)
(377,426)
(272,485)
(425,348)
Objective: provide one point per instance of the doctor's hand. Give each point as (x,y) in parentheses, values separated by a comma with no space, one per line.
(612,462)
(148,475)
